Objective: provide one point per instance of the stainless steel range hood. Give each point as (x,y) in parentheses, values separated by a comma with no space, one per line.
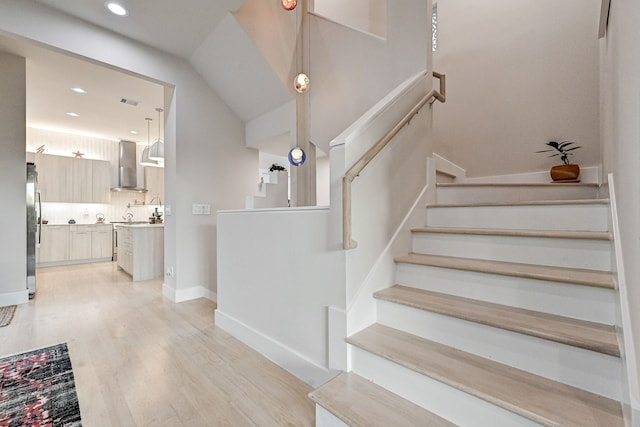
(127,168)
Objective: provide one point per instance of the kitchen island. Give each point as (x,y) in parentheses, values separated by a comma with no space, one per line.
(141,250)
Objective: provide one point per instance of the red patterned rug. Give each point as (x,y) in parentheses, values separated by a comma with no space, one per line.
(37,389)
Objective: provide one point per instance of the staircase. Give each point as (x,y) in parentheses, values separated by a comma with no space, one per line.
(501,315)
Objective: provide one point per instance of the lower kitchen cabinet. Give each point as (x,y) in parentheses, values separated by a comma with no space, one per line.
(141,251)
(79,243)
(102,243)
(54,244)
(72,244)
(90,242)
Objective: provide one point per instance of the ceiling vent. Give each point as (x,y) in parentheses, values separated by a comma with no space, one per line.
(129,101)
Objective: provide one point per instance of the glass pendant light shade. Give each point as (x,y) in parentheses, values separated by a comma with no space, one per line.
(144,159)
(301,83)
(156,151)
(289,4)
(297,156)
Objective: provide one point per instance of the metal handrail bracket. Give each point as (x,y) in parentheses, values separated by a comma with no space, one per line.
(358,167)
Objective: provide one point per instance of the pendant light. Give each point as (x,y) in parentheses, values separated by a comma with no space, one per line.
(289,4)
(144,159)
(297,156)
(156,152)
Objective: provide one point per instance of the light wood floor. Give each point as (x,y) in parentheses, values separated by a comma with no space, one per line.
(140,360)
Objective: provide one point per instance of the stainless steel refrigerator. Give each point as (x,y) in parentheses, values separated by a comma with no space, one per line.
(34,207)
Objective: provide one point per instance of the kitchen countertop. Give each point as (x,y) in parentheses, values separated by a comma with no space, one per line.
(77,223)
(139,225)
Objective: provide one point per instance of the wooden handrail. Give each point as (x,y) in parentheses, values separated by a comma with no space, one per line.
(358,167)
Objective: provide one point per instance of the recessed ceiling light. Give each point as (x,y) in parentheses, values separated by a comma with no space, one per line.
(73,114)
(78,90)
(133,132)
(116,8)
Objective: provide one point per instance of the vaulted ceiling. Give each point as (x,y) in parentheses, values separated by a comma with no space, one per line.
(203,32)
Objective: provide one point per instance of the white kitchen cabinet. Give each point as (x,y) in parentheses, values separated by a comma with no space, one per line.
(102,243)
(125,249)
(101,181)
(54,178)
(73,244)
(54,244)
(82,180)
(70,180)
(91,242)
(141,251)
(79,243)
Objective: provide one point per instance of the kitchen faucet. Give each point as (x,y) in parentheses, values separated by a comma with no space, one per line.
(128,217)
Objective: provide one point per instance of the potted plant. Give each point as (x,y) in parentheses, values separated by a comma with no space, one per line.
(566,171)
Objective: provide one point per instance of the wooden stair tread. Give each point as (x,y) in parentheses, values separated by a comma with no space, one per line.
(542,400)
(578,333)
(524,203)
(360,402)
(600,279)
(586,235)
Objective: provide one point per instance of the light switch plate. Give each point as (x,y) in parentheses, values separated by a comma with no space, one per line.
(167,210)
(201,209)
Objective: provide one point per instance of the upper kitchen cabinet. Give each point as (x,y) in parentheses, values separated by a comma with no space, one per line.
(101,181)
(70,180)
(82,180)
(54,178)
(154,183)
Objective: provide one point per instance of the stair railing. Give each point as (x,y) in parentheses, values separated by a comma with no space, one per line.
(358,167)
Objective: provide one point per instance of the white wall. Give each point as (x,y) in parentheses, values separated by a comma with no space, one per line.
(13,215)
(364,15)
(621,113)
(519,74)
(351,71)
(206,161)
(323,181)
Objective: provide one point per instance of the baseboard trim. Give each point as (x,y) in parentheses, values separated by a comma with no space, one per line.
(449,168)
(15,298)
(195,292)
(631,406)
(285,357)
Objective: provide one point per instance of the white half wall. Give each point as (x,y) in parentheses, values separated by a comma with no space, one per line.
(275,289)
(13,181)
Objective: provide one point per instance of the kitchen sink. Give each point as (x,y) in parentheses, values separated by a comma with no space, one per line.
(129,222)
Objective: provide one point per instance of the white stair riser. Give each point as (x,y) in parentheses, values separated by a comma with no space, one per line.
(481,194)
(448,402)
(589,370)
(576,301)
(325,418)
(558,252)
(580,217)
